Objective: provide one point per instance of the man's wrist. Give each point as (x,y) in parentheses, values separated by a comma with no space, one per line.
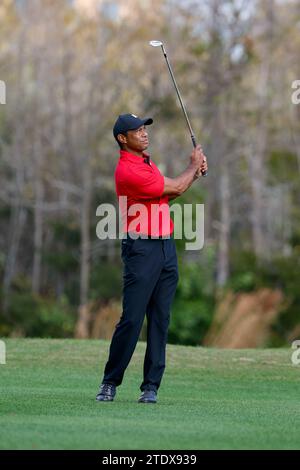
(196,170)
(194,167)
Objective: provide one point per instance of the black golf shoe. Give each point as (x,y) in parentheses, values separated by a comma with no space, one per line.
(148,396)
(107,392)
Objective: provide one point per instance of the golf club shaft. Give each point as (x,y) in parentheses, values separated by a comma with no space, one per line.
(181,102)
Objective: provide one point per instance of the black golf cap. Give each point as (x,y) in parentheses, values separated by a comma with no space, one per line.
(129,122)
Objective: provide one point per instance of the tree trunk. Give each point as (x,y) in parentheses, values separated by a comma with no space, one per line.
(82,327)
(257,168)
(38,219)
(223,254)
(17,221)
(18,212)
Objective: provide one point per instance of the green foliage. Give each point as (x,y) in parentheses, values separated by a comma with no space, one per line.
(283,166)
(55,319)
(106,281)
(62,261)
(190,321)
(286,274)
(64,258)
(66,231)
(198,48)
(34,316)
(244,272)
(193,305)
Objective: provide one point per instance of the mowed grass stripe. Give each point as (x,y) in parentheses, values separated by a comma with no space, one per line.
(209,399)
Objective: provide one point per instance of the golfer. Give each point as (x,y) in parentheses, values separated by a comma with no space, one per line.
(148,253)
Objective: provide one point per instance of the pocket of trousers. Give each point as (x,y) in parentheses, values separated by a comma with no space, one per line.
(127,245)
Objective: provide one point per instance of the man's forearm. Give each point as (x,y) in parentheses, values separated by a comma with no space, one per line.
(174,187)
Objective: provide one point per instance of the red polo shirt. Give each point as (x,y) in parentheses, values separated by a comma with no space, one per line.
(144,210)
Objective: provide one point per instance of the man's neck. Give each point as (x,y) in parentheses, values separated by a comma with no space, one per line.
(134,152)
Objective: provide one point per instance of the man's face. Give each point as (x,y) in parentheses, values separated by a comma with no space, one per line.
(136,140)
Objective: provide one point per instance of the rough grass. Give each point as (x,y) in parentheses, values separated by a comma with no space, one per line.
(209,399)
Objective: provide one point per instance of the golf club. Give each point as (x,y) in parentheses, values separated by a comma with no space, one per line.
(157,44)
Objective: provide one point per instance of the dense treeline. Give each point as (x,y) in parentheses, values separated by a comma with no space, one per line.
(70,69)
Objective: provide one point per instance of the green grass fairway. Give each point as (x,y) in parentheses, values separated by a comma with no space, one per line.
(209,399)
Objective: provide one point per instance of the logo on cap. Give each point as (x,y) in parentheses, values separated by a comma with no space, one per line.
(134,115)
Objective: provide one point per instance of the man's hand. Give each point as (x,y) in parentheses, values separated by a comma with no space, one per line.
(203,168)
(174,187)
(198,159)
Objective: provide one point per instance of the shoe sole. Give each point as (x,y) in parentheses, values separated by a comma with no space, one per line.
(147,401)
(104,399)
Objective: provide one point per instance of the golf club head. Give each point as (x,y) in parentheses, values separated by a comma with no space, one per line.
(155,43)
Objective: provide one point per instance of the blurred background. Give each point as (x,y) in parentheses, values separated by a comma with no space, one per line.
(70,68)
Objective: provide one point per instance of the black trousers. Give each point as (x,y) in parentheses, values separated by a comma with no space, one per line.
(150,279)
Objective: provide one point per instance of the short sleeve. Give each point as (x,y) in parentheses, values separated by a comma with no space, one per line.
(145,183)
